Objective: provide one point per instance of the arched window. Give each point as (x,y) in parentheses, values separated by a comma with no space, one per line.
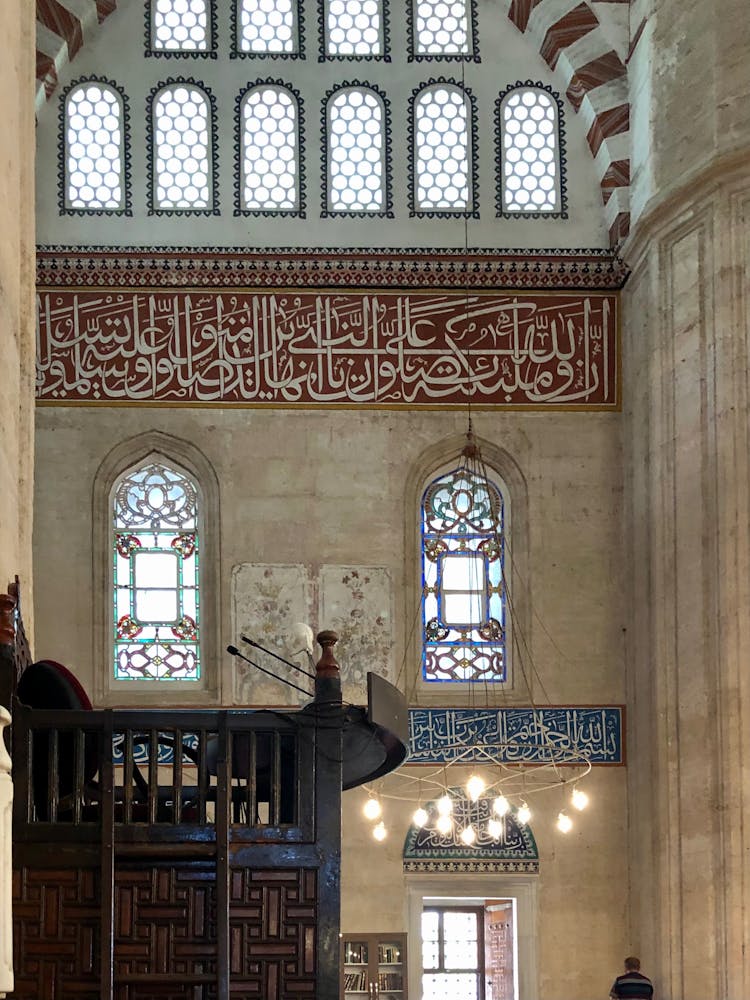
(155,547)
(443,153)
(181,26)
(355,129)
(354,28)
(528,124)
(181,150)
(463,524)
(266,27)
(269,142)
(94,148)
(441,28)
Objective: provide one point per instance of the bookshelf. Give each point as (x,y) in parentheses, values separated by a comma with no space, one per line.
(373,967)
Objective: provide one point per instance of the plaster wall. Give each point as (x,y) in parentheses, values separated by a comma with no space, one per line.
(16,294)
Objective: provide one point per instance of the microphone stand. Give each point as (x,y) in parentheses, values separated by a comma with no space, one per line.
(233,651)
(294,666)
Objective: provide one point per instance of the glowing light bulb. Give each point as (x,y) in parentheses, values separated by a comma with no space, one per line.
(475,786)
(495,828)
(564,823)
(372,808)
(379,832)
(524,814)
(468,834)
(444,824)
(445,805)
(500,806)
(579,799)
(420,817)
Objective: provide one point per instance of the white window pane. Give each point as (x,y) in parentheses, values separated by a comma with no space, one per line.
(155,569)
(356,150)
(443,986)
(442,139)
(181,149)
(94,146)
(529,152)
(460,944)
(269,130)
(463,573)
(180,25)
(463,609)
(267,26)
(442,27)
(156,605)
(354,28)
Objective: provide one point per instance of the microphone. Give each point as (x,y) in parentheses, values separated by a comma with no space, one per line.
(233,651)
(276,656)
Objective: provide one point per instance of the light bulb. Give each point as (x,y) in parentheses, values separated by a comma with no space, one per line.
(468,834)
(372,809)
(474,787)
(501,805)
(564,823)
(379,832)
(579,799)
(444,824)
(445,805)
(524,814)
(420,817)
(495,828)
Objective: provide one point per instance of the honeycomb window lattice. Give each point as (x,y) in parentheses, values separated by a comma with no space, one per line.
(182,159)
(356,152)
(267,26)
(442,159)
(530,175)
(180,25)
(354,28)
(269,150)
(441,28)
(94,144)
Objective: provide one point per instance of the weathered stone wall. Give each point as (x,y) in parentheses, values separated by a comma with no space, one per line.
(16,293)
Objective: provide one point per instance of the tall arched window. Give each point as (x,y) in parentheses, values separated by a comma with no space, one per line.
(155,547)
(463,524)
(442,130)
(94,124)
(269,121)
(355,130)
(181,153)
(530,151)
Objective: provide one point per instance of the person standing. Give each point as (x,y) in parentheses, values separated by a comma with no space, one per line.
(632,985)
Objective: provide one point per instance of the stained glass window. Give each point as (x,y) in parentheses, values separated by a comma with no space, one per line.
(94,148)
(463,601)
(356,137)
(529,153)
(267,26)
(155,557)
(270,141)
(182,130)
(442,156)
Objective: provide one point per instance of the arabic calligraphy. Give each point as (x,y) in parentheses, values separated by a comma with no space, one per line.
(517,735)
(343,348)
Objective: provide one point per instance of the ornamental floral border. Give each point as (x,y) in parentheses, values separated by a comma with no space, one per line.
(472,56)
(62,171)
(326,212)
(299,211)
(209,53)
(500,212)
(438,213)
(213,153)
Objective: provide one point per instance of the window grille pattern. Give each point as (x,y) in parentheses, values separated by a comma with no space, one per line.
(356,137)
(180,25)
(463,603)
(94,148)
(529,137)
(451,948)
(442,155)
(442,28)
(155,554)
(354,28)
(270,173)
(182,149)
(267,26)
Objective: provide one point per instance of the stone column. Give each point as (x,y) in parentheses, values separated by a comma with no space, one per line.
(685,347)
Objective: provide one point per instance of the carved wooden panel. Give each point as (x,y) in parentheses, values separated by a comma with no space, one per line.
(272,933)
(56,934)
(165,932)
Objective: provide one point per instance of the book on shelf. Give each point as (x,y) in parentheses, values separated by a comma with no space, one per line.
(389,954)
(390,981)
(355,981)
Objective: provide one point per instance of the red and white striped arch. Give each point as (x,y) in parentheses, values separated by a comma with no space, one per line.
(567,34)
